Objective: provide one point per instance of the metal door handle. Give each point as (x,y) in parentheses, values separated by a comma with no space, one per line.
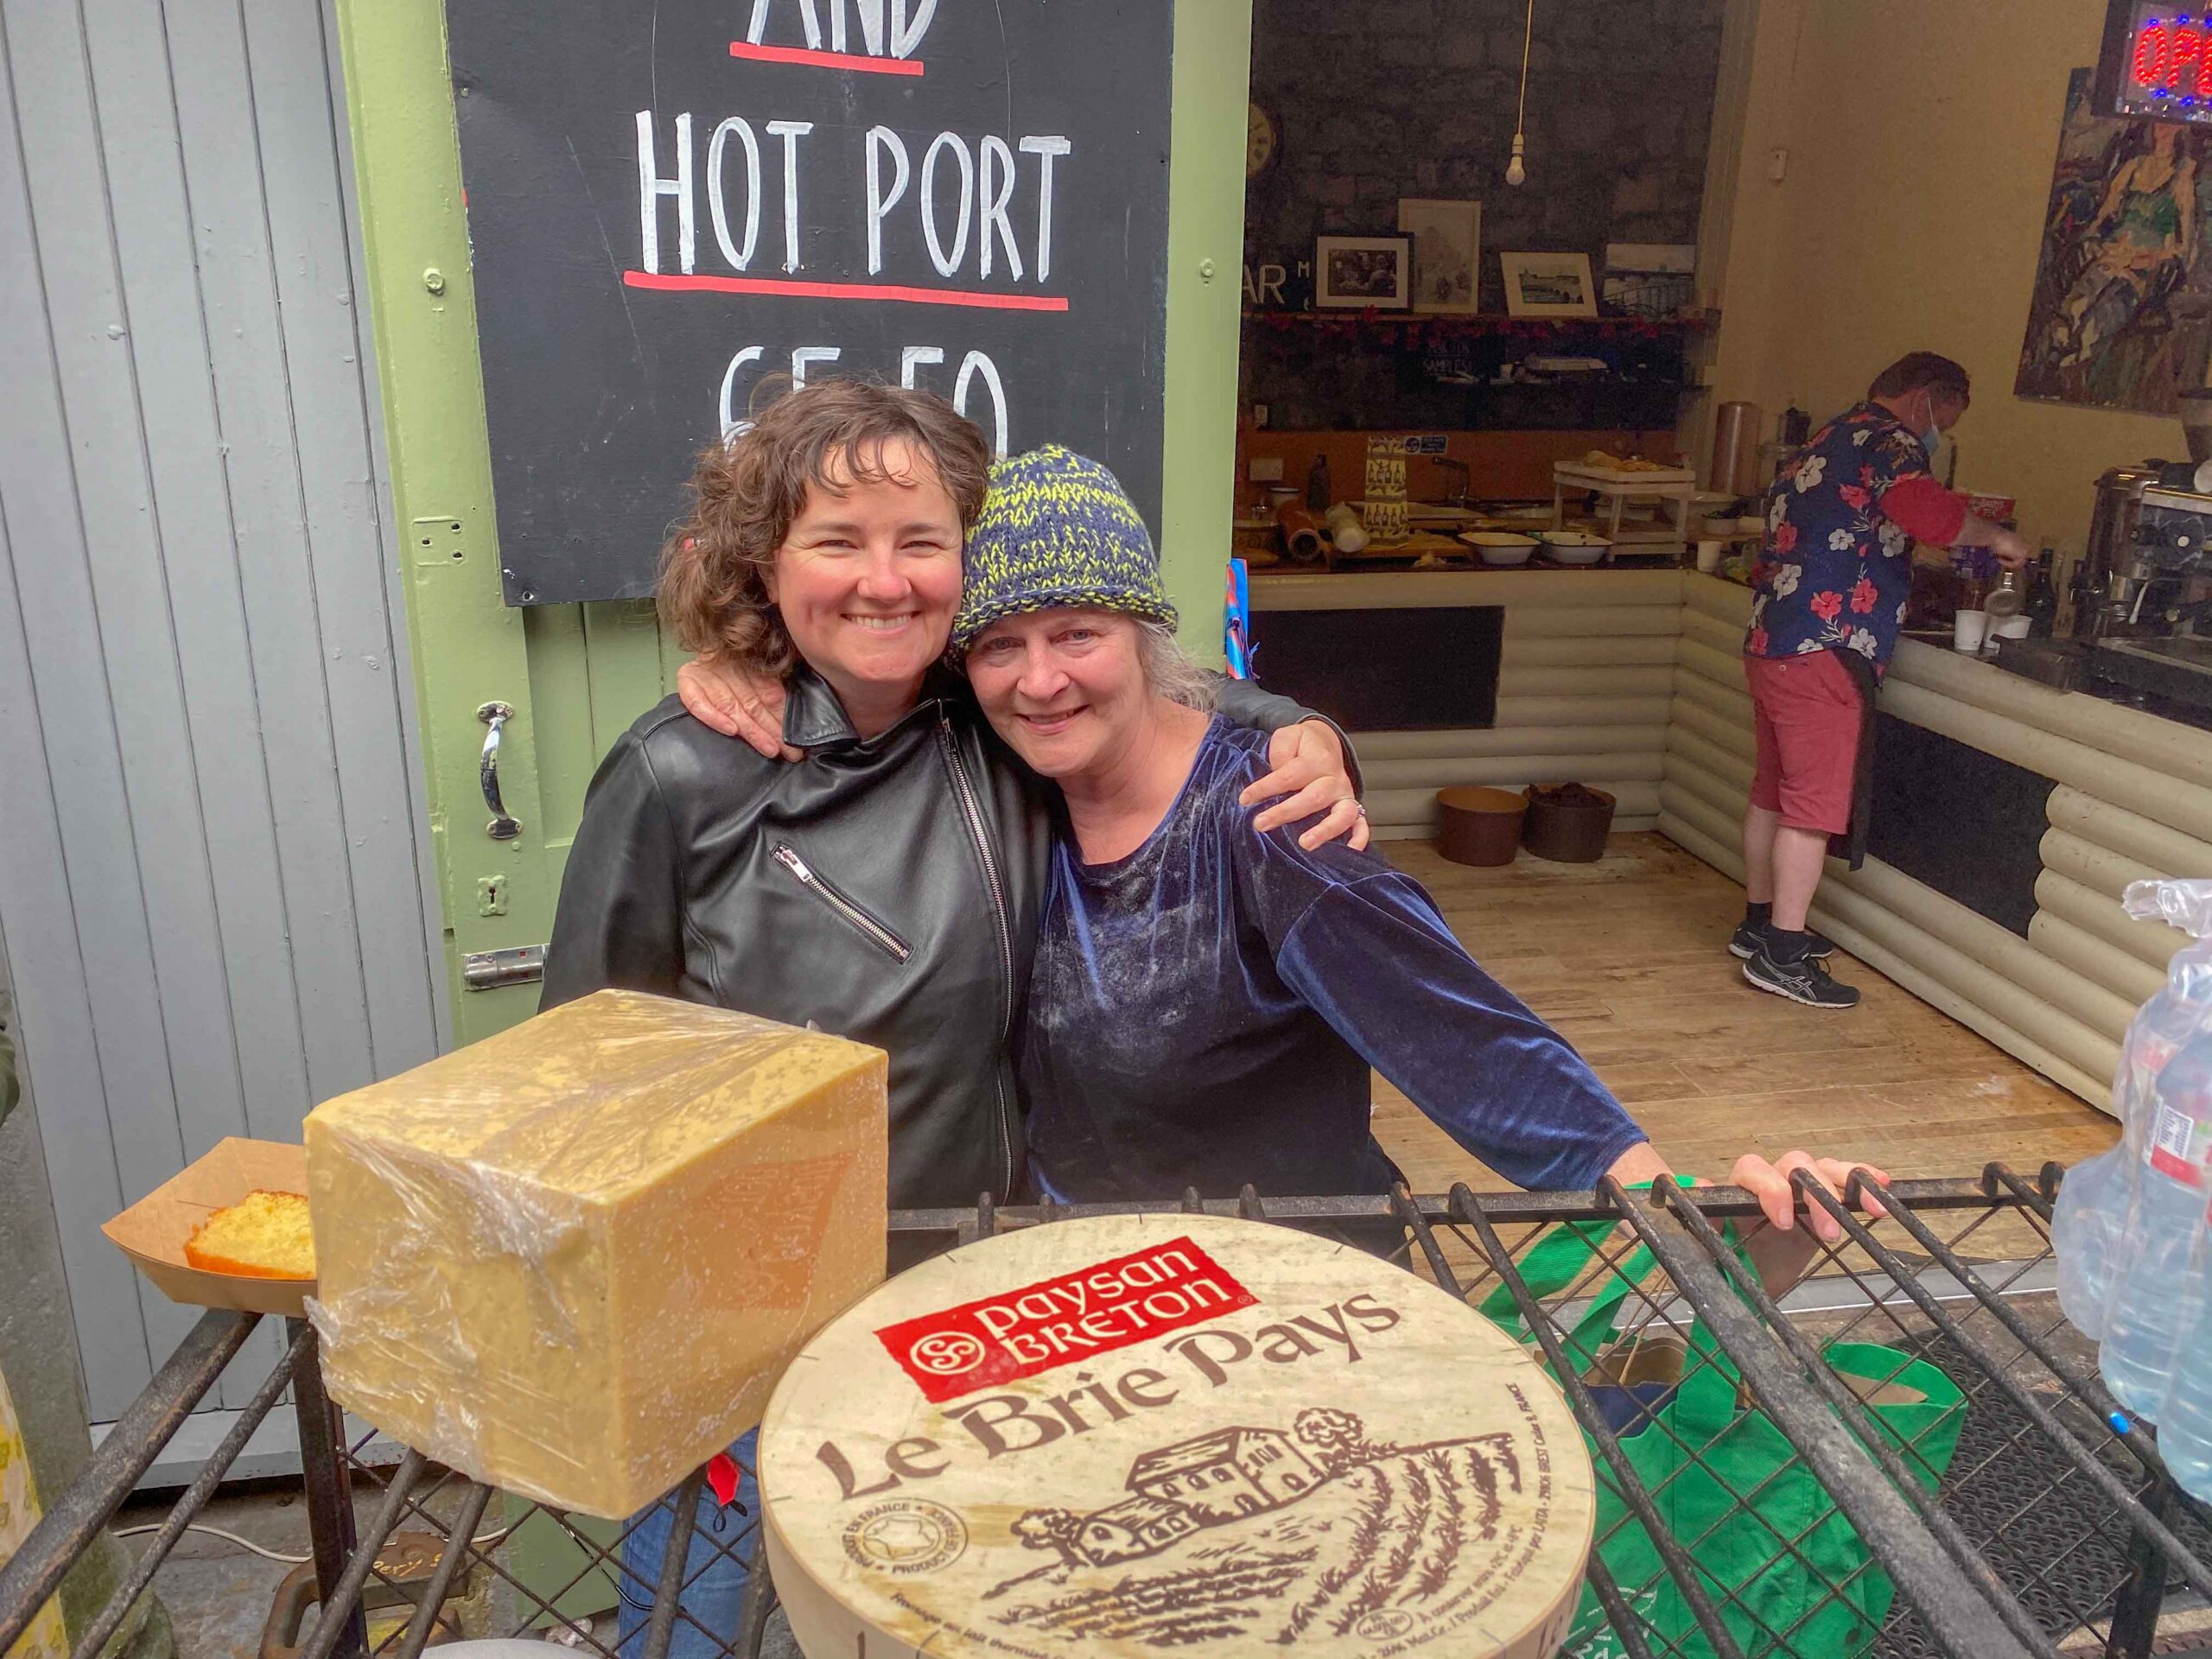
(502,828)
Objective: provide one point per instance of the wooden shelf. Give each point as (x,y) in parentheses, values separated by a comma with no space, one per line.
(1487,323)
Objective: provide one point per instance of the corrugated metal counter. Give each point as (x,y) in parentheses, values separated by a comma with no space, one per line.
(2131,800)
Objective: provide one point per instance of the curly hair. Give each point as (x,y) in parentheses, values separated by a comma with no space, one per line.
(747,491)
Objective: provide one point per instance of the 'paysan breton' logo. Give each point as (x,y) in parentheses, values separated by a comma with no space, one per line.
(1061,1321)
(946,1353)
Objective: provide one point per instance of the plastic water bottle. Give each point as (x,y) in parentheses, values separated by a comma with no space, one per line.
(2090,1216)
(2085,1228)
(2161,1286)
(2185,1432)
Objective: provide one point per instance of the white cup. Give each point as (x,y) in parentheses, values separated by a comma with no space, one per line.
(2009,627)
(1708,557)
(1968,630)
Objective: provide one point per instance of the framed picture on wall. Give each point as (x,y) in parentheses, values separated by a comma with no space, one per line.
(1355,272)
(1649,280)
(1447,251)
(1548,285)
(2117,318)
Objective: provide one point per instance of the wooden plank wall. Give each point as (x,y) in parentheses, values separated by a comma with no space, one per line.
(214,858)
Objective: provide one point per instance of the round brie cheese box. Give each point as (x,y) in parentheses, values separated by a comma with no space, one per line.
(1171,1434)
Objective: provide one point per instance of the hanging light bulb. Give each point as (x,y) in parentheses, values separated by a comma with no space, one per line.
(1516,172)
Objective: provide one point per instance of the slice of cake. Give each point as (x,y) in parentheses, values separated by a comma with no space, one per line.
(264,1236)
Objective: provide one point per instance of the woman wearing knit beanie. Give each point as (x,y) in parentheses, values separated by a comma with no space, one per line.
(1207,997)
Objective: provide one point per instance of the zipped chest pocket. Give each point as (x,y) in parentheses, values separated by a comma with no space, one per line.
(858,919)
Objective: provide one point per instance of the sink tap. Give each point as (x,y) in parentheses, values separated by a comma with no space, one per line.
(1458,496)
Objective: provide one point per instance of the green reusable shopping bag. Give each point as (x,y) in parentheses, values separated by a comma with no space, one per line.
(1789,1573)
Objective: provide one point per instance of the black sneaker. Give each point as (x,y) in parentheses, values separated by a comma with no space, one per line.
(1805,982)
(1746,944)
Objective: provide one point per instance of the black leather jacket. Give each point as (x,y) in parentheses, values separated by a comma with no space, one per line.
(883,889)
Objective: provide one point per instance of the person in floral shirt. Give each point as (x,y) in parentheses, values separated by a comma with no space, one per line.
(1834,572)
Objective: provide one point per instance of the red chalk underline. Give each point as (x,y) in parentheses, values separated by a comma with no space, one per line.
(843,291)
(826,59)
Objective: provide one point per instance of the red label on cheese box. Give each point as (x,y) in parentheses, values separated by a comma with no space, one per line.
(1063,1321)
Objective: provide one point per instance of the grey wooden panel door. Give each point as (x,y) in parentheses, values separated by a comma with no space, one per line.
(213,851)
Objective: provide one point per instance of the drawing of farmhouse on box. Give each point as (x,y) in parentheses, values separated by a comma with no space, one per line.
(1200,1483)
(1256,1529)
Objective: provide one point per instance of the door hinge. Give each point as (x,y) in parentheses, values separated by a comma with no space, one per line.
(487,970)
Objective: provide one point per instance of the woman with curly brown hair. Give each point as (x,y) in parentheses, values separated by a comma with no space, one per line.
(885,885)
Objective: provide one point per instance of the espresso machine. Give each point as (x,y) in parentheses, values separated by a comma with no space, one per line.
(2148,572)
(2143,594)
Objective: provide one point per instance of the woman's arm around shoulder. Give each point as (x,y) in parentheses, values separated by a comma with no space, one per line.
(1312,770)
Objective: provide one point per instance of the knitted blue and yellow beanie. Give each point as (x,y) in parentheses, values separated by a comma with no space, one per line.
(1056,529)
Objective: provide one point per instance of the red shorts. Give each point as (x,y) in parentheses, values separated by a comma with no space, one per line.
(1808,712)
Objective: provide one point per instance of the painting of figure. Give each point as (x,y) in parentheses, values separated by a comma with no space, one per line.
(2121,313)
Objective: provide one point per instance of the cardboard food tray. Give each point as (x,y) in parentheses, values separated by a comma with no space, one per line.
(152,1231)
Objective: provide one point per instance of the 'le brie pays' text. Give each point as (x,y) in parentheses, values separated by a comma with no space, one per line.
(1003,1424)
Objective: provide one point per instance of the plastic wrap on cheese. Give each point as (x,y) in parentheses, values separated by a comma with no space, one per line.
(570,1260)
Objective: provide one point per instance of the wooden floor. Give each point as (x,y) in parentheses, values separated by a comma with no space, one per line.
(1627,957)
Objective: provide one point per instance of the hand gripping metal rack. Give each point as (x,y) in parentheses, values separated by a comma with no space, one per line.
(2054,1530)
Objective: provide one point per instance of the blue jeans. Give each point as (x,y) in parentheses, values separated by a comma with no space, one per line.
(714,1589)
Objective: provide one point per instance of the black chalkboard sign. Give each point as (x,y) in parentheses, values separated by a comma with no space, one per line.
(667,202)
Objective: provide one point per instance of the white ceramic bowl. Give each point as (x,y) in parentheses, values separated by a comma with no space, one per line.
(1576,547)
(1500,547)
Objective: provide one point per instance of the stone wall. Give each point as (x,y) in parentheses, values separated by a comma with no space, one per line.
(1416,98)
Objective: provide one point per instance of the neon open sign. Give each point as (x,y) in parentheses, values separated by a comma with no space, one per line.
(2170,60)
(2157,60)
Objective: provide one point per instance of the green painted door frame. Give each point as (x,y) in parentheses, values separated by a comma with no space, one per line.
(468,648)
(576,675)
(1210,87)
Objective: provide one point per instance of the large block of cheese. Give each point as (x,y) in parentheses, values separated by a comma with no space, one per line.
(1135,1435)
(571,1259)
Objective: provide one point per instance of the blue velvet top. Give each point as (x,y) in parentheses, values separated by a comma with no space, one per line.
(1204,1013)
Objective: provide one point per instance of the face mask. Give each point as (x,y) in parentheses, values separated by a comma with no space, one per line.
(1931,434)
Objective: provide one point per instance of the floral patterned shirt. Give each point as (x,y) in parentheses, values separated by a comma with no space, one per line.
(1834,570)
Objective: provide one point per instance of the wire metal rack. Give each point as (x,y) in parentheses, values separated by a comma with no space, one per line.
(2031,1517)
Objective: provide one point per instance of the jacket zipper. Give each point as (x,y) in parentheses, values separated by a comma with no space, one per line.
(876,933)
(975,815)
